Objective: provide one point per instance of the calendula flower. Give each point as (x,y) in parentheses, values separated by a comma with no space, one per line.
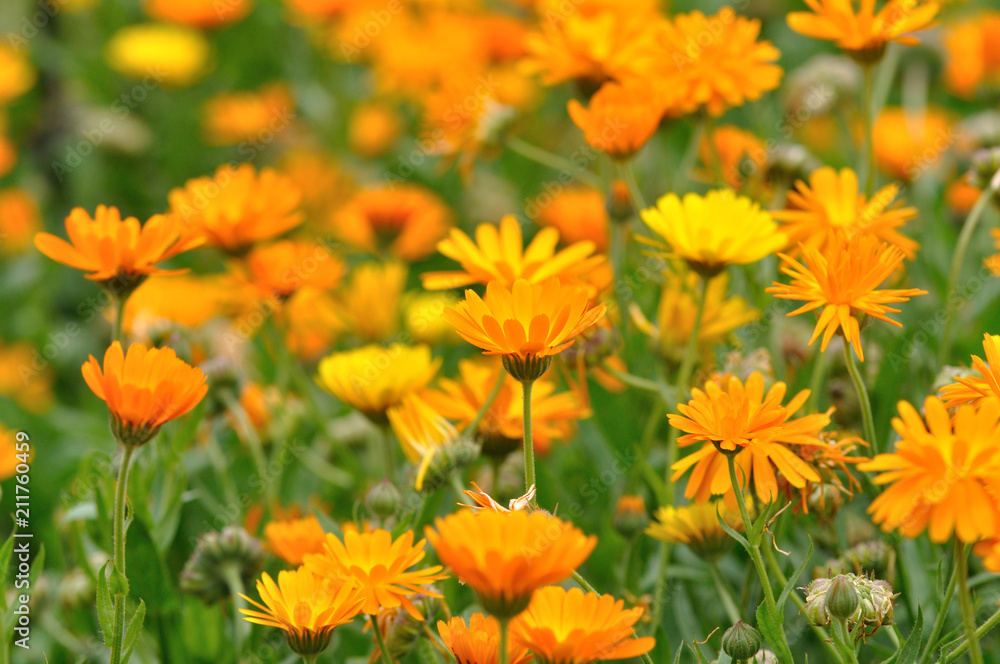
(22,379)
(165,302)
(506,556)
(373,379)
(831,202)
(714,62)
(498,254)
(305,606)
(619,121)
(630,516)
(421,432)
(17,76)
(370,303)
(479,642)
(943,475)
(715,230)
(734,153)
(569,627)
(976,389)
(739,418)
(144,389)
(168,54)
(322,183)
(281,269)
(971,58)
(292,540)
(312,322)
(484,501)
(908,144)
(406,221)
(199,13)
(380,565)
(578,213)
(989,551)
(237,206)
(111,249)
(864,34)
(697,527)
(20,220)
(678,308)
(372,129)
(844,281)
(230,118)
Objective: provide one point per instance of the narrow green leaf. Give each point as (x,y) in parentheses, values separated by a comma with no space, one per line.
(793,579)
(105,610)
(911,648)
(677,655)
(771,630)
(133,631)
(700,658)
(329,525)
(731,531)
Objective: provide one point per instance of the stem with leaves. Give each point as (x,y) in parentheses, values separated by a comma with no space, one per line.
(118,554)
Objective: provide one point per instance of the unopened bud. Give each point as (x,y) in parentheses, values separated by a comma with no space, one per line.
(842,599)
(382,500)
(741,642)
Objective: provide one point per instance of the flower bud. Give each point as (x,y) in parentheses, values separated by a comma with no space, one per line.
(985,165)
(448,459)
(789,162)
(842,599)
(630,516)
(218,555)
(741,641)
(383,499)
(526,369)
(619,202)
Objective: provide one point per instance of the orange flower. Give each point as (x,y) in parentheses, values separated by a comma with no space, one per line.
(578,213)
(294,539)
(943,476)
(144,389)
(17,76)
(971,56)
(569,627)
(498,254)
(739,153)
(479,643)
(372,129)
(199,13)
(506,556)
(724,70)
(908,144)
(974,390)
(22,380)
(864,35)
(237,207)
(281,269)
(324,185)
(831,202)
(110,248)
(163,303)
(992,263)
(961,197)
(10,456)
(370,302)
(379,565)
(233,117)
(312,322)
(20,219)
(406,220)
(845,283)
(619,121)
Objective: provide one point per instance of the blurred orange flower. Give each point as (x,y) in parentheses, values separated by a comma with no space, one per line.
(280,269)
(372,129)
(971,56)
(479,642)
(17,76)
(578,213)
(407,221)
(908,144)
(20,219)
(370,303)
(199,13)
(312,322)
(25,376)
(229,118)
(619,121)
(740,154)
(293,539)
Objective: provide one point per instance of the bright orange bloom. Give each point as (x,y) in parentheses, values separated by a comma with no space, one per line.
(506,556)
(831,202)
(20,219)
(974,390)
(407,221)
(944,475)
(379,565)
(579,214)
(108,247)
(961,197)
(144,389)
(230,118)
(569,627)
(498,254)
(199,13)
(971,56)
(29,389)
(844,281)
(373,128)
(910,144)
(282,268)
(17,76)
(865,34)
(163,303)
(237,207)
(479,643)
(740,153)
(619,121)
(293,539)
(323,183)
(312,322)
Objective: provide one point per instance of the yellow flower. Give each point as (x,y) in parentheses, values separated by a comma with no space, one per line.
(379,565)
(844,281)
(293,539)
(166,54)
(579,214)
(423,317)
(186,301)
(909,144)
(697,526)
(498,254)
(479,643)
(374,379)
(199,13)
(13,453)
(17,76)
(25,376)
(715,230)
(944,475)
(372,129)
(619,121)
(974,390)
(20,219)
(230,118)
(421,432)
(370,302)
(831,202)
(569,627)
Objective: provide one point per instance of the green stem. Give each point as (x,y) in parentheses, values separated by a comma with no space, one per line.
(990,623)
(118,559)
(691,351)
(529,444)
(868,119)
(386,657)
(688,158)
(842,637)
(553,161)
(119,317)
(231,573)
(485,408)
(388,453)
(965,602)
(256,447)
(820,367)
(866,405)
(635,381)
(504,655)
(968,229)
(584,583)
(725,593)
(627,173)
(942,615)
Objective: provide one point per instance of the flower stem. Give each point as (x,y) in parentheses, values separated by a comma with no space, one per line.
(553,161)
(529,444)
(627,173)
(119,316)
(388,453)
(867,116)
(485,408)
(842,638)
(231,573)
(691,351)
(968,229)
(386,657)
(504,624)
(118,552)
(942,615)
(965,602)
(990,623)
(725,593)
(866,405)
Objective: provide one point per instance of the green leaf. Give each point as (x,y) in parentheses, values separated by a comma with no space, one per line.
(793,579)
(773,634)
(118,582)
(911,648)
(133,631)
(731,531)
(105,610)
(698,657)
(757,527)
(677,656)
(329,525)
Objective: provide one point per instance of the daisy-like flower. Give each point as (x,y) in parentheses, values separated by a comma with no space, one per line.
(976,389)
(526,325)
(506,556)
(498,254)
(230,118)
(713,231)
(144,389)
(864,35)
(844,281)
(407,221)
(715,62)
(305,606)
(374,379)
(179,55)
(739,418)
(421,432)
(293,539)
(831,202)
(281,269)
(619,121)
(237,206)
(370,302)
(943,476)
(380,566)
(569,627)
(119,253)
(697,527)
(479,642)
(199,13)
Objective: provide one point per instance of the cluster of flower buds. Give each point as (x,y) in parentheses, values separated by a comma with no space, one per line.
(447,459)
(218,558)
(875,556)
(859,600)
